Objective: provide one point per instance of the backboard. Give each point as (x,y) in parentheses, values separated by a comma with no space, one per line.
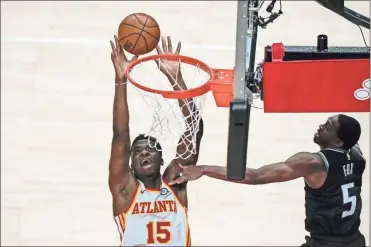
(293,71)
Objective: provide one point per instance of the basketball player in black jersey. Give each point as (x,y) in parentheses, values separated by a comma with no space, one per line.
(333,182)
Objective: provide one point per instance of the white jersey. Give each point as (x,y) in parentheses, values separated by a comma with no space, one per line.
(155,217)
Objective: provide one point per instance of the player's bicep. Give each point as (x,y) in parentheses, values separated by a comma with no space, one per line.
(119,170)
(303,164)
(273,173)
(298,165)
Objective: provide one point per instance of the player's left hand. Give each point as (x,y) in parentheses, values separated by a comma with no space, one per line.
(189,173)
(119,60)
(169,68)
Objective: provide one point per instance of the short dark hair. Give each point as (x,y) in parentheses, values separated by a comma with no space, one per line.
(349,131)
(146,137)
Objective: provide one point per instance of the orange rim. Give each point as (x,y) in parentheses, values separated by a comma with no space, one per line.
(190,93)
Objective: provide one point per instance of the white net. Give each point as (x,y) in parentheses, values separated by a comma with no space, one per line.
(174,121)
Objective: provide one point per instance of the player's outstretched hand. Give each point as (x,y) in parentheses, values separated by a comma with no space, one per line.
(119,60)
(189,173)
(169,68)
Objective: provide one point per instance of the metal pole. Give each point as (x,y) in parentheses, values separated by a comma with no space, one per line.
(241,41)
(239,116)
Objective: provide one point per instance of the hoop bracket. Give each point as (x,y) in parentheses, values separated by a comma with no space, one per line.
(222,86)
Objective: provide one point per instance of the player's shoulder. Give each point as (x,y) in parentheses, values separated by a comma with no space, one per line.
(356,152)
(313,162)
(332,153)
(309,157)
(307,161)
(357,148)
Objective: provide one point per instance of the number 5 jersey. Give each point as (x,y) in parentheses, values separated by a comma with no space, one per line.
(155,217)
(333,211)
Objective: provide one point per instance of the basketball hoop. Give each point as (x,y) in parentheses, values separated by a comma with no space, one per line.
(169,100)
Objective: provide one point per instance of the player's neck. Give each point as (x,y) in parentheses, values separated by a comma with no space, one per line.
(151,182)
(329,147)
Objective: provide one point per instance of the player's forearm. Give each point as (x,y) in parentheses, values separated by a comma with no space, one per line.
(218,172)
(120,149)
(120,110)
(252,176)
(184,143)
(177,81)
(189,111)
(186,105)
(178,84)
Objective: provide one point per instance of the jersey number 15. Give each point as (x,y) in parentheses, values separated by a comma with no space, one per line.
(348,199)
(158,232)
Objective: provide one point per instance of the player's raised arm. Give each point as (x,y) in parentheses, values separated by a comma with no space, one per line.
(120,174)
(188,107)
(299,165)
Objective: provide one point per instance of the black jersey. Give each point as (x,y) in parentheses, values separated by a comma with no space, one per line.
(334,209)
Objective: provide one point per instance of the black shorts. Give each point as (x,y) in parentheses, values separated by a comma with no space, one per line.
(358,241)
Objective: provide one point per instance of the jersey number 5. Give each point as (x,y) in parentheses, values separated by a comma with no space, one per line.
(158,232)
(348,199)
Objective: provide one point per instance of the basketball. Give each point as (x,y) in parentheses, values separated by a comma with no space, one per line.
(139,33)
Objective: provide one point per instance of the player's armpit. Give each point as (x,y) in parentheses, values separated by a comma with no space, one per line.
(122,182)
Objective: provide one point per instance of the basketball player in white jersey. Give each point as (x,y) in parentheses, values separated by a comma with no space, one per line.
(146,209)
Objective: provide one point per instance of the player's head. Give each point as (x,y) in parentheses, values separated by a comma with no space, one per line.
(145,156)
(340,131)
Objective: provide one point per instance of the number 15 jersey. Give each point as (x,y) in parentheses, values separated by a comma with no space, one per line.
(333,211)
(155,218)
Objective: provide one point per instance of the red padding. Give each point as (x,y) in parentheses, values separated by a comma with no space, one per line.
(315,86)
